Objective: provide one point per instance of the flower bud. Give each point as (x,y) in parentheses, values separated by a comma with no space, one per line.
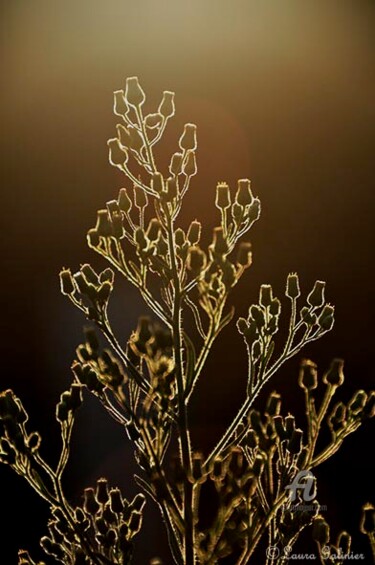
(166,108)
(116,504)
(135,522)
(320,531)
(140,197)
(222,196)
(335,373)
(190,165)
(279,427)
(344,542)
(251,439)
(62,411)
(93,238)
(194,232)
(24,557)
(237,213)
(107,275)
(124,201)
(138,502)
(33,441)
(369,409)
(134,94)
(157,183)
(244,255)
(119,104)
(308,318)
(140,239)
(265,295)
(244,196)
(176,164)
(144,329)
(337,419)
(254,210)
(102,495)
(308,375)
(89,274)
(136,140)
(118,156)
(153,120)
(273,404)
(275,307)
(219,242)
(52,548)
(188,140)
(242,325)
(316,296)
(290,425)
(258,316)
(196,259)
(113,208)
(161,246)
(90,503)
(153,229)
(179,237)
(295,442)
(117,226)
(103,223)
(357,403)
(292,286)
(76,399)
(66,282)
(326,318)
(123,136)
(368,519)
(83,286)
(104,292)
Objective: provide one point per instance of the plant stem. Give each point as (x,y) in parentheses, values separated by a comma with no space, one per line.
(182,416)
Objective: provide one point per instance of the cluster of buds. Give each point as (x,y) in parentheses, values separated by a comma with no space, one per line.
(293,520)
(183,162)
(70,400)
(217,274)
(262,323)
(360,407)
(106,521)
(15,443)
(317,314)
(331,553)
(97,369)
(153,344)
(138,131)
(235,483)
(244,208)
(89,290)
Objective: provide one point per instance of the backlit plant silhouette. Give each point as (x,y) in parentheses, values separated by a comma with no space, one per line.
(147,385)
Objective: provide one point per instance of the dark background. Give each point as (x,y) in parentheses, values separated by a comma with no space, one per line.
(282,93)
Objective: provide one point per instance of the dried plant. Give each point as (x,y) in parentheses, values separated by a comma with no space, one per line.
(260,469)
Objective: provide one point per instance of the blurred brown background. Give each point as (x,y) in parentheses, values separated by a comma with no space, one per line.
(282,92)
